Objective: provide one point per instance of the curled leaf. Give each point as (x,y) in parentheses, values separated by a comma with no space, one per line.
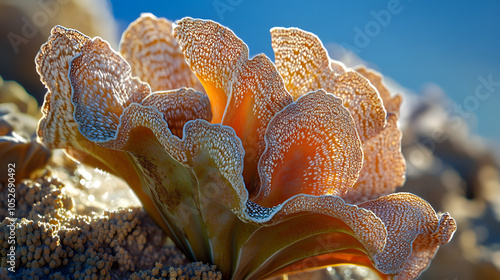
(305,66)
(384,167)
(154,55)
(305,153)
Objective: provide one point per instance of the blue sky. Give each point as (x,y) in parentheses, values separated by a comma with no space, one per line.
(454,44)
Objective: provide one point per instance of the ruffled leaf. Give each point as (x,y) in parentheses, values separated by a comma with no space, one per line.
(411,223)
(384,166)
(391,103)
(305,66)
(312,148)
(57,128)
(214,69)
(306,226)
(154,55)
(101,80)
(250,92)
(180,106)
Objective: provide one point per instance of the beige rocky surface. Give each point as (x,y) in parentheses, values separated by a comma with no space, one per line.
(53,241)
